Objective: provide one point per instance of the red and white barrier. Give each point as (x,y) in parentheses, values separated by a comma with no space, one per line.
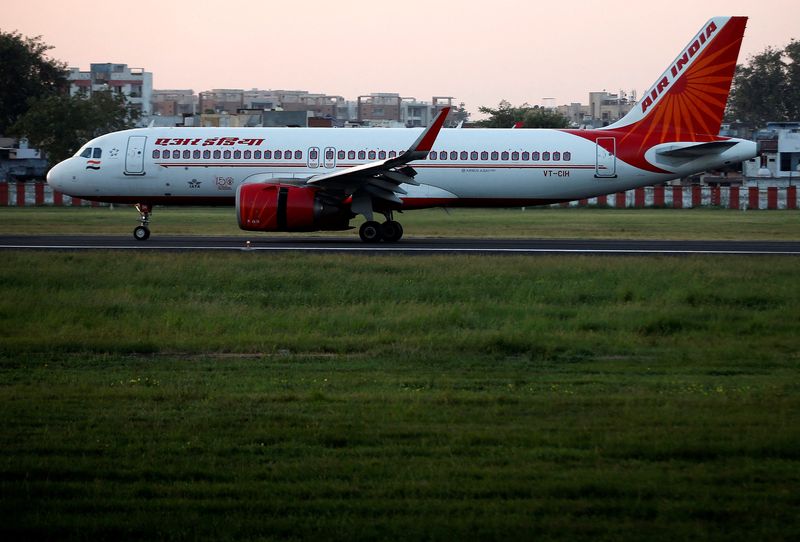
(22,194)
(31,194)
(687,197)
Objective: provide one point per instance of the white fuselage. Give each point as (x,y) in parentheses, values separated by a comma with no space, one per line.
(476,167)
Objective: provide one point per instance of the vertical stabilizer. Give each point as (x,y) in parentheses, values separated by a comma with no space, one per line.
(688,101)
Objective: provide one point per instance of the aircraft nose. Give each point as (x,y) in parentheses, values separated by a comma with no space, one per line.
(56,177)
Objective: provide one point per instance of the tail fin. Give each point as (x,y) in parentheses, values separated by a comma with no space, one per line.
(687,102)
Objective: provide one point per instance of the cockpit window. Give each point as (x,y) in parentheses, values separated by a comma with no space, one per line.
(87,153)
(98,153)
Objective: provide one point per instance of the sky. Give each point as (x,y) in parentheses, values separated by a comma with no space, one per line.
(476,51)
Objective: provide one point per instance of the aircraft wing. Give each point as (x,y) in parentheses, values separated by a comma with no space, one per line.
(381,179)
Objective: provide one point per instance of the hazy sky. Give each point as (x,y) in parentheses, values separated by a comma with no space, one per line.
(477,51)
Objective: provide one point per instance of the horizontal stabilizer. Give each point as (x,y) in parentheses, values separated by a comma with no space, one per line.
(697,150)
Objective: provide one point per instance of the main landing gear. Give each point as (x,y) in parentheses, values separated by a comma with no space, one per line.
(142,233)
(375,232)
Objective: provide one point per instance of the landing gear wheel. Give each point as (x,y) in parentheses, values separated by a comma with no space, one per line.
(370,232)
(391,231)
(141,233)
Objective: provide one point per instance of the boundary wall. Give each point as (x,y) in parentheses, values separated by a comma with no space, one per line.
(26,194)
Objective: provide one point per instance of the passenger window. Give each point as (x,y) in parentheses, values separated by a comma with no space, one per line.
(237,155)
(176,154)
(206,154)
(340,155)
(98,152)
(156,153)
(535,156)
(381,155)
(329,154)
(392,154)
(196,155)
(546,156)
(267,155)
(556,155)
(226,155)
(278,155)
(362,155)
(312,154)
(515,156)
(495,155)
(217,155)
(371,155)
(187,154)
(453,155)
(87,153)
(432,155)
(351,155)
(298,155)
(567,156)
(287,155)
(526,156)
(504,155)
(484,155)
(464,155)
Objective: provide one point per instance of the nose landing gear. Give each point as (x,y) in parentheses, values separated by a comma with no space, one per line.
(142,233)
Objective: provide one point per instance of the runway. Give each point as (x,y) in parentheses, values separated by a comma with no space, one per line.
(409,245)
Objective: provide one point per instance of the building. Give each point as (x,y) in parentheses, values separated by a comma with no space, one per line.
(221,100)
(174,102)
(135,83)
(779,160)
(603,109)
(379,109)
(390,109)
(415,113)
(319,105)
(18,162)
(176,106)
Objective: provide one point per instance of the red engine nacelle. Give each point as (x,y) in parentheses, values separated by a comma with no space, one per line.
(280,207)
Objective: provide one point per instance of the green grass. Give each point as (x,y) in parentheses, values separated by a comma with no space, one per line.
(532,222)
(264,396)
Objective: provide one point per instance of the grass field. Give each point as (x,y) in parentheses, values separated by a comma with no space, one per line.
(287,396)
(533,222)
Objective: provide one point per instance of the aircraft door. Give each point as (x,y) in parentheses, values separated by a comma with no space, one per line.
(330,157)
(606,164)
(134,159)
(313,157)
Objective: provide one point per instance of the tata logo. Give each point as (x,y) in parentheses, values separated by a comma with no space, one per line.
(677,69)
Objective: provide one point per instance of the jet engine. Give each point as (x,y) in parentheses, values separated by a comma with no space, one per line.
(282,207)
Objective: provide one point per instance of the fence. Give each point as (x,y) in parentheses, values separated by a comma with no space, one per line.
(21,194)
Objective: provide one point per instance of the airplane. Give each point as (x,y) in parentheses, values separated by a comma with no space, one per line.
(312,179)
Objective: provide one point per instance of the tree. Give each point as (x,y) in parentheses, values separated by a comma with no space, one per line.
(540,117)
(26,73)
(506,116)
(59,125)
(457,115)
(792,52)
(766,88)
